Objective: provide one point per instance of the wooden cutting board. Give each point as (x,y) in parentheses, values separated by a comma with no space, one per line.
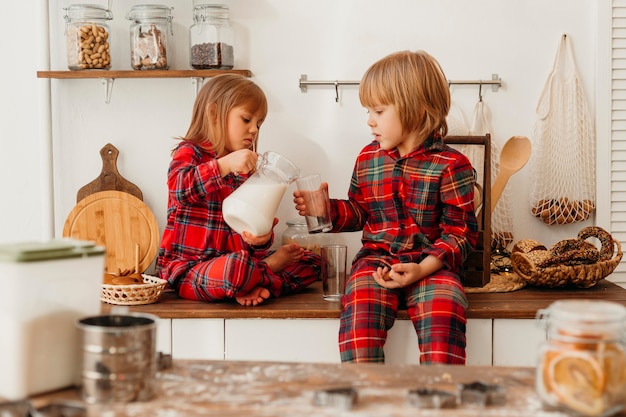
(110,178)
(118,221)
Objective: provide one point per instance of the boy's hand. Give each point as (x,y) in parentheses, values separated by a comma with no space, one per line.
(302,199)
(398,275)
(253,240)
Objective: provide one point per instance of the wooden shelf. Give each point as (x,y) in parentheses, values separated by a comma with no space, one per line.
(139,73)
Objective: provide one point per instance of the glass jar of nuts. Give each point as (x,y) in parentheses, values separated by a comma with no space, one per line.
(150,29)
(297,232)
(211,38)
(87,37)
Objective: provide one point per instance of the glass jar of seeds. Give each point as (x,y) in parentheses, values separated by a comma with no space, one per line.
(150,29)
(87,37)
(211,38)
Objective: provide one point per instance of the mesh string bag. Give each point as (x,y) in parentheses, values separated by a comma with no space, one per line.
(562,165)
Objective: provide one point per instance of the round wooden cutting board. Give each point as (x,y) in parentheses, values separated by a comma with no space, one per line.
(118,221)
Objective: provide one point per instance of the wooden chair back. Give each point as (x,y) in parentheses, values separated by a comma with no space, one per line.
(477,266)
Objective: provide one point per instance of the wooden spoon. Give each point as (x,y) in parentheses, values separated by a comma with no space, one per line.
(514,155)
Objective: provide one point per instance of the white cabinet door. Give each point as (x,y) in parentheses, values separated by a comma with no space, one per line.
(479,342)
(401,345)
(516,342)
(198,339)
(287,340)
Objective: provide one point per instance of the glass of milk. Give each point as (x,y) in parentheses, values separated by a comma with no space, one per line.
(253,206)
(317,202)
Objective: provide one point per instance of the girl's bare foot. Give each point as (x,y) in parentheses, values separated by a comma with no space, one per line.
(284,256)
(254,297)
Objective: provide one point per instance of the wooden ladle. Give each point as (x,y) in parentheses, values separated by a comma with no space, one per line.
(514,155)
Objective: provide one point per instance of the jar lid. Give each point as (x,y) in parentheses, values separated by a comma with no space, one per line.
(211,7)
(586,311)
(213,10)
(87,11)
(296,222)
(574,319)
(149,11)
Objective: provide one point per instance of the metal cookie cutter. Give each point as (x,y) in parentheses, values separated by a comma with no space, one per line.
(341,397)
(432,398)
(62,409)
(481,394)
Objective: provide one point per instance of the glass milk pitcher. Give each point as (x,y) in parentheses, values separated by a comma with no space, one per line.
(253,206)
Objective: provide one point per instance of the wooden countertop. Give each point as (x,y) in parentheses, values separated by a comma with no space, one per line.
(520,304)
(193,388)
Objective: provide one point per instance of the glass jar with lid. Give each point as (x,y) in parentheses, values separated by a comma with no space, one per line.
(297,232)
(211,38)
(87,37)
(150,29)
(582,365)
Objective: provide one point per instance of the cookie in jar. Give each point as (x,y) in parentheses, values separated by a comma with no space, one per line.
(150,31)
(87,37)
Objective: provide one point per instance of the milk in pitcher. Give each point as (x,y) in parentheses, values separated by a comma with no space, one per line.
(253,206)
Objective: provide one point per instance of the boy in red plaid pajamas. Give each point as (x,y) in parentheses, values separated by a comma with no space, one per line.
(200,255)
(413,198)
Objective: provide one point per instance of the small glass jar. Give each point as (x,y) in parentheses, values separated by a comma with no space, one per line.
(211,38)
(87,37)
(297,232)
(582,365)
(150,29)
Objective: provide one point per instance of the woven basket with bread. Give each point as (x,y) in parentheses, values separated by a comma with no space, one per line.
(570,262)
(131,288)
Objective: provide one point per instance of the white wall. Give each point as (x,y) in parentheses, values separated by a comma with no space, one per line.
(277,40)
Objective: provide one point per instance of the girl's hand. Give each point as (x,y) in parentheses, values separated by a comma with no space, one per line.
(241,161)
(253,240)
(398,275)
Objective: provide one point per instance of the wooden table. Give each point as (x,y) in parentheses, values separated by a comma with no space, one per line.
(223,388)
(521,304)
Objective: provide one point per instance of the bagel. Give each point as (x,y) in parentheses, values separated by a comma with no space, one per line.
(571,252)
(605,238)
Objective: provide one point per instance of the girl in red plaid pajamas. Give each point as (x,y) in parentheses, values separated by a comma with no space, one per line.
(200,255)
(413,198)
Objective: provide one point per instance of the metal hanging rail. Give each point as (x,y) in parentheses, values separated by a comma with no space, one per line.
(495,84)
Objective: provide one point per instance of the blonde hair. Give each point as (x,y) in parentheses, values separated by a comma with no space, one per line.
(215,100)
(415,84)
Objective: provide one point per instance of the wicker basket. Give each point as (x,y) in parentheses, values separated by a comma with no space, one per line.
(135,294)
(582,276)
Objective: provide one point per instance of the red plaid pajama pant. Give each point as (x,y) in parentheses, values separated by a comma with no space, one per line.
(436,305)
(238,273)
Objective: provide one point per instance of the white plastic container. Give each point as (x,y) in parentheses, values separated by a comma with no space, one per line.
(46,288)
